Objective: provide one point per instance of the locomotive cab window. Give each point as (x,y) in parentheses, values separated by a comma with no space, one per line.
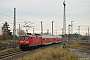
(24,38)
(21,38)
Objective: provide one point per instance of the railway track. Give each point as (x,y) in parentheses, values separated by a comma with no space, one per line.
(12,55)
(16,54)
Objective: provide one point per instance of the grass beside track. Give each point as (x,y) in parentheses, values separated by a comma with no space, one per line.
(8,50)
(51,53)
(6,42)
(79,44)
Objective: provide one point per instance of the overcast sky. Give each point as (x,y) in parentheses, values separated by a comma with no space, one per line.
(47,11)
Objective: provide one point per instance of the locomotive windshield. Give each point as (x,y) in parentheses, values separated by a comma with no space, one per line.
(24,38)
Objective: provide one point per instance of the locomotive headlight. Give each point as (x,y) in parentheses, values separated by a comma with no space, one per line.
(26,41)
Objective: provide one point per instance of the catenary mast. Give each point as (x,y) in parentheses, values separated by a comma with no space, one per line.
(64,26)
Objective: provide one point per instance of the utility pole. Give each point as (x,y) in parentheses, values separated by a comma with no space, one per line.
(64,27)
(52,27)
(69,33)
(72,30)
(19,30)
(33,30)
(14,29)
(62,31)
(41,28)
(88,33)
(78,32)
(47,31)
(56,31)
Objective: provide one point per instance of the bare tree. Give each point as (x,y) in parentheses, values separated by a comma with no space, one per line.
(21,32)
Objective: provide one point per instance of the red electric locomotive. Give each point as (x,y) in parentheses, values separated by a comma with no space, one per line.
(28,41)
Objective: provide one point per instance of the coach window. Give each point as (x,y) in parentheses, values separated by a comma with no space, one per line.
(54,38)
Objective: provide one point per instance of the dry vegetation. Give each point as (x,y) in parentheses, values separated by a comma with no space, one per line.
(4,43)
(51,53)
(79,44)
(8,50)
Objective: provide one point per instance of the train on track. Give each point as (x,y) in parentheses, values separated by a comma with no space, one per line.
(29,41)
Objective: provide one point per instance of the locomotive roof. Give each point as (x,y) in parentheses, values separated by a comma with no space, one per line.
(48,36)
(32,35)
